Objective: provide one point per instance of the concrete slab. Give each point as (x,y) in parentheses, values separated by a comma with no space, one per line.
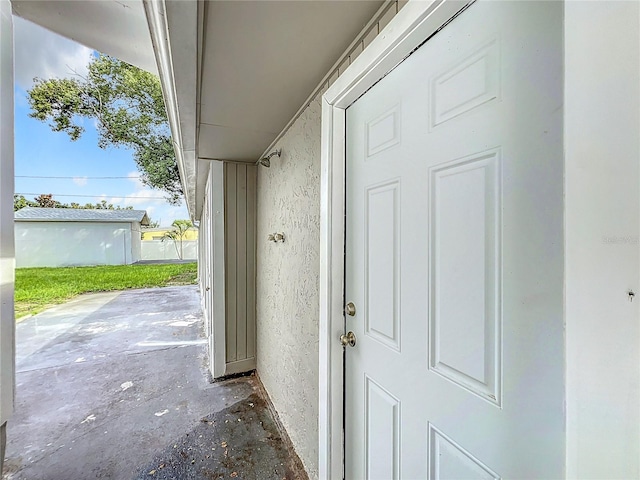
(155,262)
(114,386)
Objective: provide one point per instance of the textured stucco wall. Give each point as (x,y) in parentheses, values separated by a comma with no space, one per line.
(288,282)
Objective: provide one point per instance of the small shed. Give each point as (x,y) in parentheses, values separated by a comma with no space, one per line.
(57,237)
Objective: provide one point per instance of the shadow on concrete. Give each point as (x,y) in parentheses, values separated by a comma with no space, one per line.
(241,441)
(115,386)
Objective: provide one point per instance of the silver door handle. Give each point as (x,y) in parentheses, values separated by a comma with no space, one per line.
(350,309)
(349,339)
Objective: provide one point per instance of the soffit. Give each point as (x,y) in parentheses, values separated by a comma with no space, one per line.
(261,60)
(115,27)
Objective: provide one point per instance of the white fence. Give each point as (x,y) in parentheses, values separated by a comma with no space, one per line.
(168,250)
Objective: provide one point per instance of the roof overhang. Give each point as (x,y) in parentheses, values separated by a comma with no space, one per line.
(236,72)
(175,32)
(115,27)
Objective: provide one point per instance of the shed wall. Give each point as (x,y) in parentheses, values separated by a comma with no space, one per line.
(136,240)
(58,244)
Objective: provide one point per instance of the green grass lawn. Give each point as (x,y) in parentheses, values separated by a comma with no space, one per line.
(39,288)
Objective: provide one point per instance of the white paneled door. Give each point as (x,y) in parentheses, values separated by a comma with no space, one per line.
(454,255)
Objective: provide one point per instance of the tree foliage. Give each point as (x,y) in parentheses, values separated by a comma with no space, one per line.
(20,202)
(127,106)
(46,200)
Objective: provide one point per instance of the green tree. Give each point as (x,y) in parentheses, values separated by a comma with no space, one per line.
(19,202)
(129,111)
(46,200)
(177,233)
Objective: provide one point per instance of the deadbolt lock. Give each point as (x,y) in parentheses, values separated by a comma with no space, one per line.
(349,339)
(350,309)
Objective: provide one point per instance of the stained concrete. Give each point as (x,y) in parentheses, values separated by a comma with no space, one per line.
(114,386)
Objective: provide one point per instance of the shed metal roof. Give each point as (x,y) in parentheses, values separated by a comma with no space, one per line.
(36,214)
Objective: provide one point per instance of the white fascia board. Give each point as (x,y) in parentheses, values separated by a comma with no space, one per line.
(202,174)
(172,26)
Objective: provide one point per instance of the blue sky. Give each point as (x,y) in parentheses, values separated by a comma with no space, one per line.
(39,152)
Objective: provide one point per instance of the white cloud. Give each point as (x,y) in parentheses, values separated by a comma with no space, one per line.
(41,53)
(150,211)
(80,181)
(144,195)
(135,178)
(145,198)
(174,213)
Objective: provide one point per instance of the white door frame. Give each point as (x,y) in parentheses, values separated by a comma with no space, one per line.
(414,24)
(216,253)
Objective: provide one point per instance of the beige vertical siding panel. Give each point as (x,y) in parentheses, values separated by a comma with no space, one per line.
(241,263)
(355,53)
(251,260)
(371,34)
(401,4)
(334,76)
(343,66)
(324,88)
(387,16)
(231,256)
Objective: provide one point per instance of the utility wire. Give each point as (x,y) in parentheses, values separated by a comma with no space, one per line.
(72,178)
(91,196)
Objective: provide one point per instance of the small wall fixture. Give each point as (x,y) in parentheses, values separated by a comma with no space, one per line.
(266,161)
(276,237)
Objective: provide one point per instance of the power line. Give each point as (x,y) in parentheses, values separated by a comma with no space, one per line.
(73,178)
(91,196)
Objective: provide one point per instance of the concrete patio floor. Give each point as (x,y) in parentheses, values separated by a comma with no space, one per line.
(115,386)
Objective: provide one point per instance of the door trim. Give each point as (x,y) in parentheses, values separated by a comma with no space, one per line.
(414,24)
(217,282)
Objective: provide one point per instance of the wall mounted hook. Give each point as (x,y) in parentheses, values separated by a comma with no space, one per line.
(276,237)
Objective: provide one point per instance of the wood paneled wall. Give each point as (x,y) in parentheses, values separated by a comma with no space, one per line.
(240,266)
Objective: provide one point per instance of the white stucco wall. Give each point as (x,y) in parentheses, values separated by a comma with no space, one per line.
(602,224)
(288,282)
(288,273)
(55,244)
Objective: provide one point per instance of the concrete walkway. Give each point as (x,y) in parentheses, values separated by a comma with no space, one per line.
(115,386)
(155,262)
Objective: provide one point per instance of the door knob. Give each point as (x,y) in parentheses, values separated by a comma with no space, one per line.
(350,309)
(349,339)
